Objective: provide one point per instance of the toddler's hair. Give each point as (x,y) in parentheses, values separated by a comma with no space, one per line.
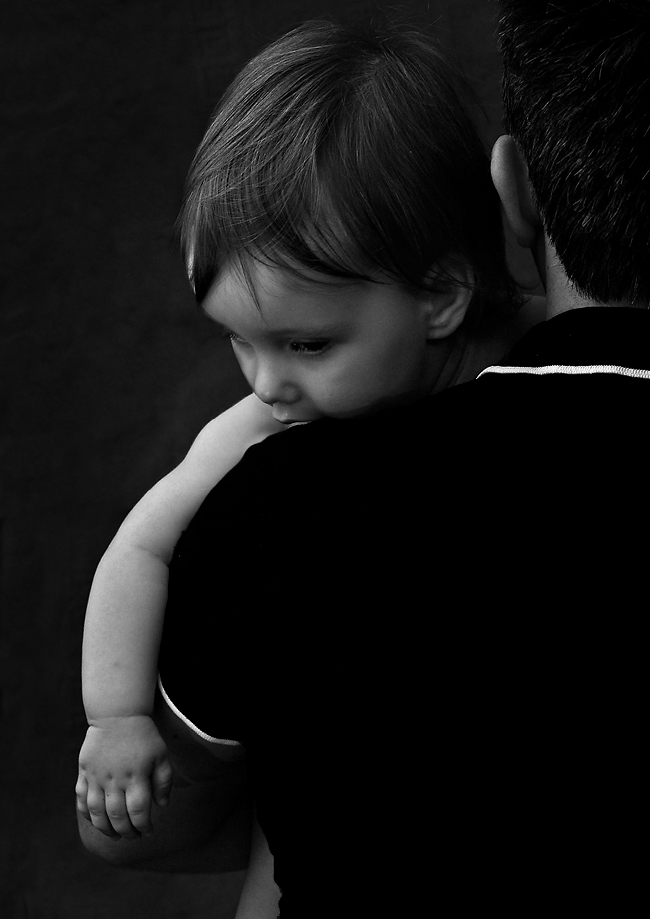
(350,152)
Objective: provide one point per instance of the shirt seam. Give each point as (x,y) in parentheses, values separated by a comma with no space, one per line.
(571,369)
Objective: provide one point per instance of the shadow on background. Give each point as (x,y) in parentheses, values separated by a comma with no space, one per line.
(110,366)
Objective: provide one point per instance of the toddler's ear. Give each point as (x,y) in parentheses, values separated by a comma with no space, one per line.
(446,311)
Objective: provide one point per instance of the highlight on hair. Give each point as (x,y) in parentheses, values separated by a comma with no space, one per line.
(576,88)
(349,152)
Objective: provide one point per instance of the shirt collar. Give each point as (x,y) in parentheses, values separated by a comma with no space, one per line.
(616,336)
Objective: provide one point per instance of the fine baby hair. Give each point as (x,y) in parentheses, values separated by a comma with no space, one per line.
(348,152)
(577,103)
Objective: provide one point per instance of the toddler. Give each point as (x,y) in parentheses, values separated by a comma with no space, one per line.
(341,227)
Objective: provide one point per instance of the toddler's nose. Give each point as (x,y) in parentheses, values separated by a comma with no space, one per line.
(272,386)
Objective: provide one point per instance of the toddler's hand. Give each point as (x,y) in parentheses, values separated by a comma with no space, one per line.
(123,765)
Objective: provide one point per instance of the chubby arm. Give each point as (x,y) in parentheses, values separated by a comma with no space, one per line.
(127,600)
(123,757)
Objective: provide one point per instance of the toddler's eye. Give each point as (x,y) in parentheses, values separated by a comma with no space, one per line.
(310,347)
(236,339)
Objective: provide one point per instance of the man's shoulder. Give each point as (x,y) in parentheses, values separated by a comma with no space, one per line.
(384,471)
(385,431)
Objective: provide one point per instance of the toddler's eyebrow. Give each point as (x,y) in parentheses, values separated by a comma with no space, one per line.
(315,332)
(303,332)
(325,282)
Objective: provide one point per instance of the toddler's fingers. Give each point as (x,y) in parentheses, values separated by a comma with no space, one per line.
(81,791)
(97,811)
(161,782)
(138,805)
(117,813)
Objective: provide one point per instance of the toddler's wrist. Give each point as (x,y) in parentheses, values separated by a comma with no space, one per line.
(104,720)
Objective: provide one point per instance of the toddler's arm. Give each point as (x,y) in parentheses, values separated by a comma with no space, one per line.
(123,758)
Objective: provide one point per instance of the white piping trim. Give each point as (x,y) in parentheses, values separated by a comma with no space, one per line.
(570,369)
(177,711)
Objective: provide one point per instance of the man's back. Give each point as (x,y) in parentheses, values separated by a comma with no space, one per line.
(438,613)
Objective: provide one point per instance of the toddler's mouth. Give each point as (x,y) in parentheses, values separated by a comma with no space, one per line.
(285,418)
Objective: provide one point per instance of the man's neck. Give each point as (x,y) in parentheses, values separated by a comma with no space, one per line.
(561,295)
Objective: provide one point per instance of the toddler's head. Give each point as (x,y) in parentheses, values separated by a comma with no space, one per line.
(343,164)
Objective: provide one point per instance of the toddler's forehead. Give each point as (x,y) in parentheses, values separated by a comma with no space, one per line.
(266,298)
(257,279)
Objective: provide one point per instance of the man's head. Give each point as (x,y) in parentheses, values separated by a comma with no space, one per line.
(576,89)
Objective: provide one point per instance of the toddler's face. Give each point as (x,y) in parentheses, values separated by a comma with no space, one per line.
(325,348)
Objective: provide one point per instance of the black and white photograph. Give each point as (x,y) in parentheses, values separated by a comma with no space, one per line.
(325,386)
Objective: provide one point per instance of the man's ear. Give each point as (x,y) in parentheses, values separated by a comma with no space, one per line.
(510,178)
(447,310)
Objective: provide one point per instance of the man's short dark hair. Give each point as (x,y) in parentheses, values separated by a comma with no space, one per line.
(576,82)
